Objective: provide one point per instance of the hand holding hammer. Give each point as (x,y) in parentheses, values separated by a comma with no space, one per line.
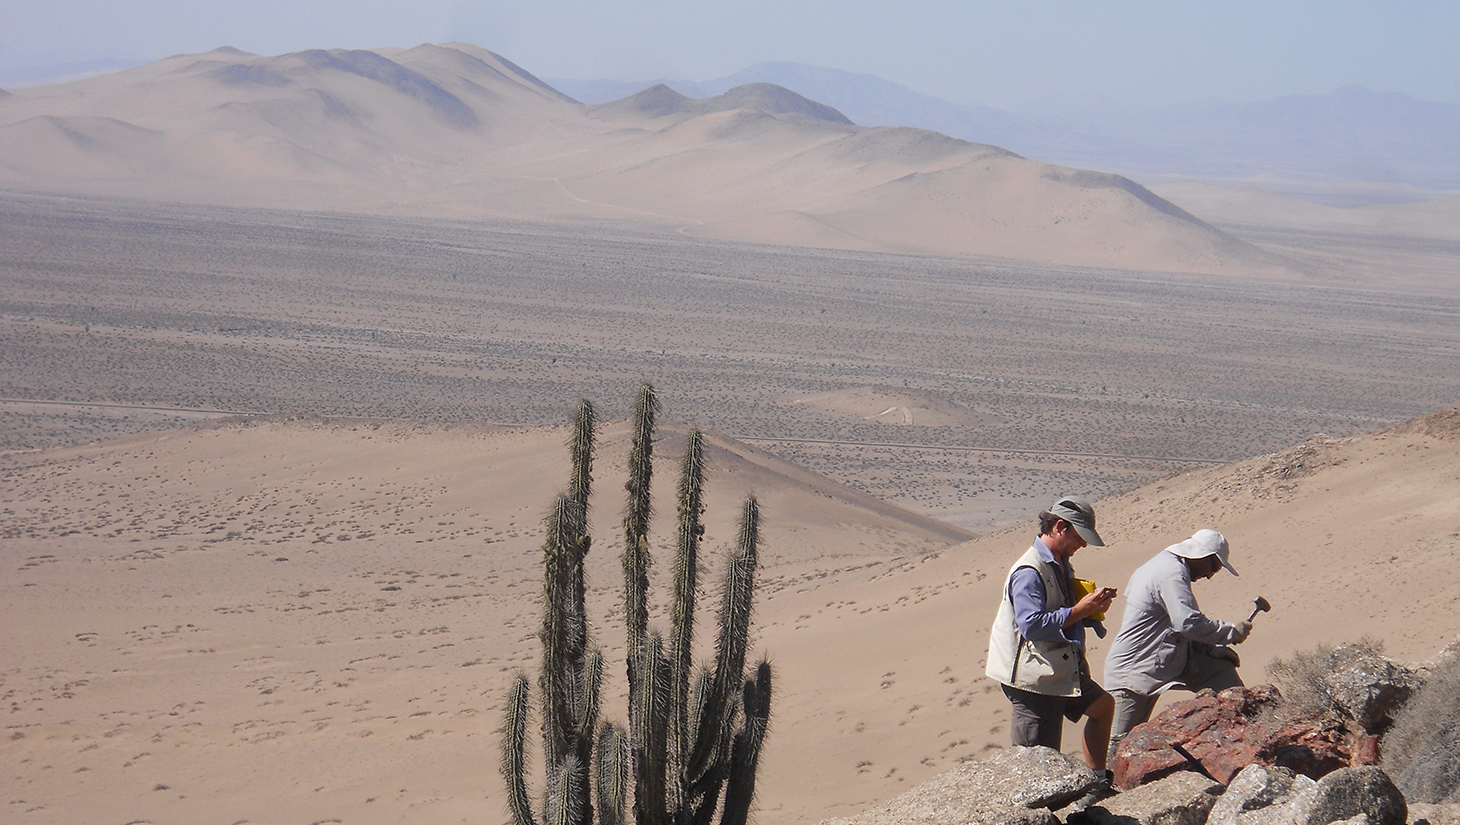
(1244,627)
(1259,605)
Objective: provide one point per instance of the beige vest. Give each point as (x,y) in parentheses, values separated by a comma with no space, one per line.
(1050,668)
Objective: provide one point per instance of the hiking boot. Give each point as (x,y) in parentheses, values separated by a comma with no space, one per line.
(1104,789)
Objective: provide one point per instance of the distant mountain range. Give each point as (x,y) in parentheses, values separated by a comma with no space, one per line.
(1345,147)
(458,131)
(1348,147)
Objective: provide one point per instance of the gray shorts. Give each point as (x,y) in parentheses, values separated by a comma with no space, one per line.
(1039,719)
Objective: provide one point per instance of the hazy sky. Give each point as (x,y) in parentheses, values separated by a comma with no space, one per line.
(999,53)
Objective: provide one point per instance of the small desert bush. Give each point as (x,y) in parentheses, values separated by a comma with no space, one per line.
(1422,749)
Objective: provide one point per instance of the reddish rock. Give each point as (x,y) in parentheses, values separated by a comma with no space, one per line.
(1363,748)
(1218,731)
(1144,756)
(1305,747)
(1210,728)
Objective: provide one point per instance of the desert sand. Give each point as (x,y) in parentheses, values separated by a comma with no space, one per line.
(1400,246)
(457,131)
(1251,206)
(296,620)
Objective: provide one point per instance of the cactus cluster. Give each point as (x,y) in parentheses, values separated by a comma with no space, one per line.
(694,733)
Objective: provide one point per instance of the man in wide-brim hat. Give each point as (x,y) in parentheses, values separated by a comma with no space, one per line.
(1165,641)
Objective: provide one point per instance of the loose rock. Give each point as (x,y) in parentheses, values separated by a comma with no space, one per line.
(1180,799)
(1263,796)
(1348,792)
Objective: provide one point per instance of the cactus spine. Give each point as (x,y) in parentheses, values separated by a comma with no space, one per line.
(694,735)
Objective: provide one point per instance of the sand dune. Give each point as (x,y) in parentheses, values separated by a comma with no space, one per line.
(458,131)
(300,620)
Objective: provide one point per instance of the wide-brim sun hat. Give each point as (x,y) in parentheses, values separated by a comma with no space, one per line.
(1078,512)
(1204,543)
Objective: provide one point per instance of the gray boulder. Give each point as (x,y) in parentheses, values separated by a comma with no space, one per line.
(1014,786)
(1183,798)
(1348,792)
(1260,795)
(1367,687)
(1036,777)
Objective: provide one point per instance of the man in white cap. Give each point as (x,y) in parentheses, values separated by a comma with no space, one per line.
(1037,646)
(1165,641)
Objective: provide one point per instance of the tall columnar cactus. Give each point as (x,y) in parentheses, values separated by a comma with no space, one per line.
(682,616)
(694,734)
(640,509)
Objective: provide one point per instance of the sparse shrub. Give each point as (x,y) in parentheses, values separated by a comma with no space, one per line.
(1301,680)
(694,735)
(1422,749)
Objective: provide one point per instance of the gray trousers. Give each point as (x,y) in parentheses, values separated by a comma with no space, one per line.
(1202,671)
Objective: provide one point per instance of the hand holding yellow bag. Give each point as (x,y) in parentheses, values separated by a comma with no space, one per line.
(1083,588)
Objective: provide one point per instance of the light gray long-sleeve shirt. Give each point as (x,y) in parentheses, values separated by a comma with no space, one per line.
(1161,620)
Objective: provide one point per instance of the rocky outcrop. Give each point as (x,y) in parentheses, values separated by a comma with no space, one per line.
(1211,728)
(1222,734)
(1179,799)
(1018,786)
(1367,687)
(1025,786)
(1245,756)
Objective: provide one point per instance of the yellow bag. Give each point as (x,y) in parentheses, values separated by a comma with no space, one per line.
(1083,588)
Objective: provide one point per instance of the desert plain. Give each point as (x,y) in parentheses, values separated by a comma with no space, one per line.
(273,479)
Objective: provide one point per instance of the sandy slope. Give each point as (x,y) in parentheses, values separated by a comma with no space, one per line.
(1250,206)
(456,130)
(1345,538)
(289,621)
(297,621)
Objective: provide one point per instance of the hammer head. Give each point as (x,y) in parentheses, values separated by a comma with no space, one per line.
(1259,605)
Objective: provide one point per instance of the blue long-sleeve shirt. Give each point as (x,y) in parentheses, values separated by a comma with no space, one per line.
(1026,590)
